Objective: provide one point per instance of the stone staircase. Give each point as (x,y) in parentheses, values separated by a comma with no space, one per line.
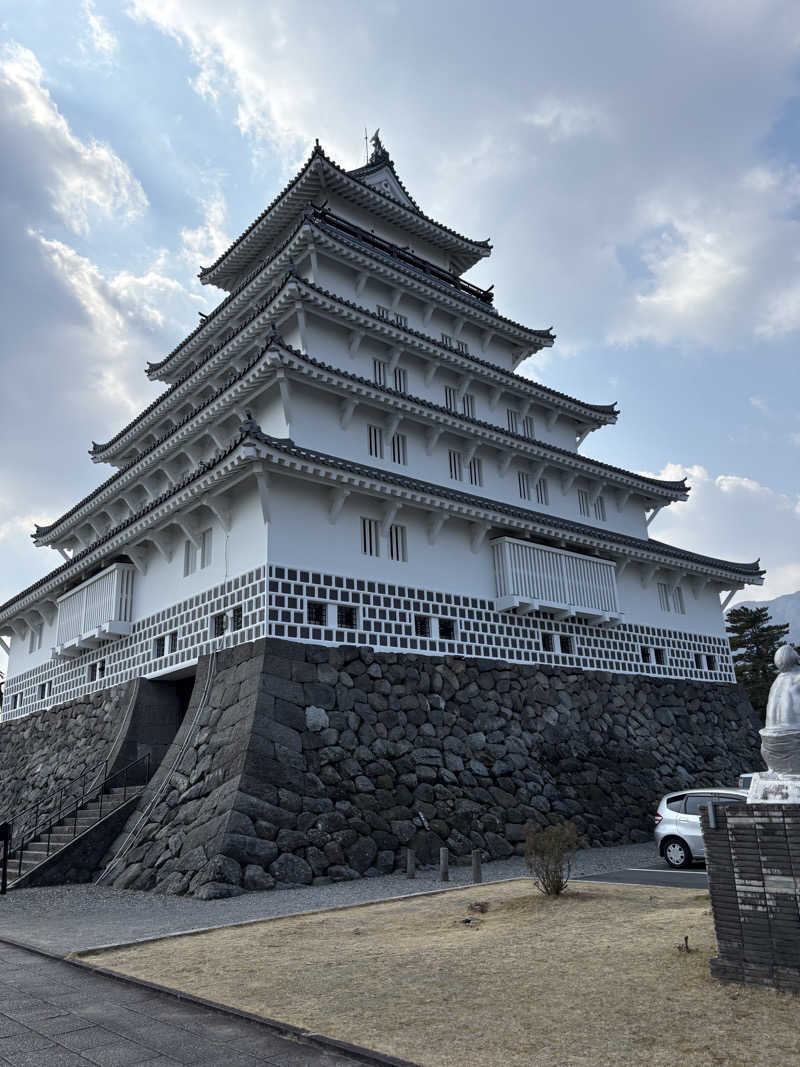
(50,843)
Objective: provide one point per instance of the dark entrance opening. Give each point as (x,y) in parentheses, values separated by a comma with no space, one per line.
(160,707)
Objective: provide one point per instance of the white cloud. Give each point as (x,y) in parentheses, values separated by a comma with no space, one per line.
(564,119)
(120,308)
(736,518)
(86,179)
(203,244)
(102,42)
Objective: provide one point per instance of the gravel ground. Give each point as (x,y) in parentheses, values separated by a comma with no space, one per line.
(75,918)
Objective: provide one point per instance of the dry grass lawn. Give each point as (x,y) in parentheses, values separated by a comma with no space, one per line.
(593,977)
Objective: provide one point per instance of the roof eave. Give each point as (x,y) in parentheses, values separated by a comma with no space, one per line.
(230,265)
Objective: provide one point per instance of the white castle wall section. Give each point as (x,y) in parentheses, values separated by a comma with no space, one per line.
(274,602)
(340,278)
(331,345)
(316,424)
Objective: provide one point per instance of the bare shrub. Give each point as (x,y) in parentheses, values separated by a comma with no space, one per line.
(548,853)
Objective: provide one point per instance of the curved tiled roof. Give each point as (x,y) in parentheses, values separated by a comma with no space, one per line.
(374,165)
(607,412)
(480,248)
(679,487)
(326,221)
(188,478)
(743,571)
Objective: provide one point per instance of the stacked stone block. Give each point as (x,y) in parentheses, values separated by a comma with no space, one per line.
(43,753)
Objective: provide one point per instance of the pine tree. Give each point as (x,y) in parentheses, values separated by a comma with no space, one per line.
(754,641)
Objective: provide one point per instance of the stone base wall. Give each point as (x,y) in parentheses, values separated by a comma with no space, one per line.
(316,764)
(42,753)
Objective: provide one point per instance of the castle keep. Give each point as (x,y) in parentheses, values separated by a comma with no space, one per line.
(403,585)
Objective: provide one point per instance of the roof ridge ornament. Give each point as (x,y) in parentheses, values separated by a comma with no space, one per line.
(379,154)
(272,337)
(248,424)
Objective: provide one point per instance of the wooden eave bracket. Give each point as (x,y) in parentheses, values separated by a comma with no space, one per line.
(286,397)
(219,509)
(192,535)
(698,584)
(494,396)
(487,336)
(138,557)
(430,372)
(392,422)
(390,510)
(437,521)
(581,435)
(622,566)
(458,326)
(551,418)
(623,496)
(649,571)
(479,532)
(537,470)
(568,480)
(346,411)
(595,493)
(653,513)
(506,461)
(262,481)
(356,337)
(361,281)
(336,501)
(394,359)
(469,454)
(6,647)
(734,590)
(163,546)
(464,385)
(427,314)
(432,435)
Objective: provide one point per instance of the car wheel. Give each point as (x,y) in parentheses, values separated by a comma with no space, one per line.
(676,853)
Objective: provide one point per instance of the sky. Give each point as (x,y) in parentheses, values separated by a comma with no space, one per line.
(636,166)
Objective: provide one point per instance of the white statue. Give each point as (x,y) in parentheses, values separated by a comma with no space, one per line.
(780,737)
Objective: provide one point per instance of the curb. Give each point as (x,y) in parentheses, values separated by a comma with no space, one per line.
(286,1030)
(289,915)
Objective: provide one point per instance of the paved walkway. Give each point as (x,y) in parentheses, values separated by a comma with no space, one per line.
(54,1014)
(76,918)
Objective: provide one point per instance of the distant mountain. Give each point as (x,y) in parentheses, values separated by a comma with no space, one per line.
(782,609)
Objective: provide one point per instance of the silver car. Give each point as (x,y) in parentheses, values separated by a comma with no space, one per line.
(678,834)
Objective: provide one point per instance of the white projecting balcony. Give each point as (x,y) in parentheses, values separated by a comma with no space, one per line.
(536,578)
(98,610)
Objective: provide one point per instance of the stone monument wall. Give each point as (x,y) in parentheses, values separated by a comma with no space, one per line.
(309,764)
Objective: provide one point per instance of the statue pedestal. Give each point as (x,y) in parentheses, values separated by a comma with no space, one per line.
(753,864)
(768,788)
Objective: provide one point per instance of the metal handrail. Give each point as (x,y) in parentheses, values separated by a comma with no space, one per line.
(43,802)
(64,812)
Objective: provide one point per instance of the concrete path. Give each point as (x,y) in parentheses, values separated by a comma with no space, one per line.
(76,918)
(55,1014)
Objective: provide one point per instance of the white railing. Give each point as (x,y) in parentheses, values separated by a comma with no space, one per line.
(104,603)
(538,576)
